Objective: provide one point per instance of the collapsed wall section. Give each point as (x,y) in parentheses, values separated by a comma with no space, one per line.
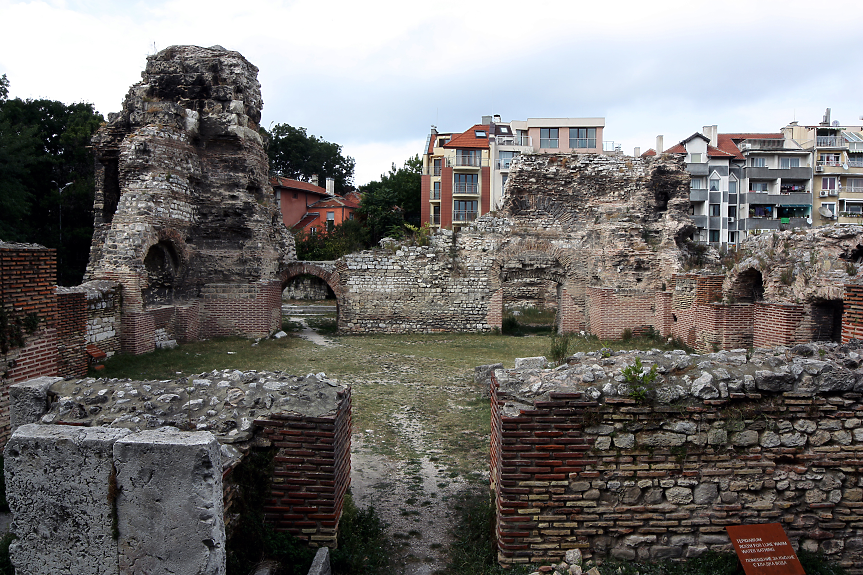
(578,460)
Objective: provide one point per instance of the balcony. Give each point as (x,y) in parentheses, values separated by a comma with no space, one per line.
(762,144)
(831,142)
(777,199)
(435,194)
(799,173)
(775,224)
(697,195)
(435,219)
(503,164)
(521,141)
(855,162)
(463,216)
(698,169)
(465,188)
(465,161)
(699,221)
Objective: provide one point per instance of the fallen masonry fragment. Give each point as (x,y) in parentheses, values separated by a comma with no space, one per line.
(157,442)
(648,455)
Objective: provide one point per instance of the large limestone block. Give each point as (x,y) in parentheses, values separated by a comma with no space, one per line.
(28,400)
(58,484)
(170,510)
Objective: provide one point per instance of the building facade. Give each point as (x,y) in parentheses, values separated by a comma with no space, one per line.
(464,174)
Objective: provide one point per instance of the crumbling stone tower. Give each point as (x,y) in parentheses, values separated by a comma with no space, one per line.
(184,215)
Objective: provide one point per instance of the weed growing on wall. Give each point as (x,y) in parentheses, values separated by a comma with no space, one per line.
(559,349)
(13,328)
(640,381)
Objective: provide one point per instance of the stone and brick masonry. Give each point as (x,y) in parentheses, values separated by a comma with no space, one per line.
(721,439)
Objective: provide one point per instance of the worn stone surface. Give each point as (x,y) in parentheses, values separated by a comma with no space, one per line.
(182,194)
(224,402)
(169,507)
(63,526)
(28,400)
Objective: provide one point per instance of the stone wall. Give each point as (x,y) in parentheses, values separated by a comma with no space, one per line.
(307,420)
(580,460)
(307,288)
(138,502)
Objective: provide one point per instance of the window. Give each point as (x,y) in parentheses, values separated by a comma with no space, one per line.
(436,215)
(732,186)
(757,162)
(696,184)
(313,230)
(758,187)
(437,166)
(854,207)
(331,221)
(296,195)
(855,185)
(480,133)
(351,215)
(732,237)
(503,182)
(714,185)
(714,236)
(548,138)
(464,211)
(506,159)
(732,211)
(828,183)
(828,159)
(465,184)
(582,137)
(468,158)
(786,163)
(435,191)
(695,158)
(714,210)
(830,206)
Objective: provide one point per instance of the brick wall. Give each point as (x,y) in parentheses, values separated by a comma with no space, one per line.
(71,334)
(252,310)
(571,319)
(651,482)
(777,324)
(312,472)
(611,311)
(138,333)
(852,318)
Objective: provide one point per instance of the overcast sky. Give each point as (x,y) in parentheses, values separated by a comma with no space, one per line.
(374,75)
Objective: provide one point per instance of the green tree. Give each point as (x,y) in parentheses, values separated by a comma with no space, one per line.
(43,150)
(348,237)
(294,154)
(381,214)
(405,182)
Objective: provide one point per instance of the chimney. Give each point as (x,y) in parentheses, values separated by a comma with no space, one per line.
(497,118)
(331,186)
(637,151)
(826,121)
(711,132)
(659,146)
(314,179)
(486,120)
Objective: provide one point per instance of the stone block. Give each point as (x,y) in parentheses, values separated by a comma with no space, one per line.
(321,564)
(482,373)
(531,362)
(169,508)
(63,526)
(28,400)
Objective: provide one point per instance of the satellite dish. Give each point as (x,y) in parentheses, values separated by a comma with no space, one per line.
(824,211)
(845,166)
(809,221)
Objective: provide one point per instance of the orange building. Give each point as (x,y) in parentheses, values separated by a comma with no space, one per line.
(307,206)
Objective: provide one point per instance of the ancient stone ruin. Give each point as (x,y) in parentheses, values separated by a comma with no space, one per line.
(148,467)
(649,455)
(185,217)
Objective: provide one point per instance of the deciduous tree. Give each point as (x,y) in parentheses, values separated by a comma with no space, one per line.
(294,154)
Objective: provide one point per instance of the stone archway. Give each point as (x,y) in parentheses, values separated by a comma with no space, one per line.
(748,286)
(161,264)
(541,268)
(326,271)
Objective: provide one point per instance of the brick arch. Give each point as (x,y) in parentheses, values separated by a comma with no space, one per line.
(331,277)
(746,284)
(538,260)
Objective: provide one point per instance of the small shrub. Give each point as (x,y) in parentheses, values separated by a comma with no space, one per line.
(559,350)
(627,334)
(363,548)
(787,276)
(850,269)
(640,382)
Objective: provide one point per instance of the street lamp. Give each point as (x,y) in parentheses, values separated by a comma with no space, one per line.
(60,212)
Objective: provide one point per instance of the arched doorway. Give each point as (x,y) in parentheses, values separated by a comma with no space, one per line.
(749,286)
(161,265)
(325,271)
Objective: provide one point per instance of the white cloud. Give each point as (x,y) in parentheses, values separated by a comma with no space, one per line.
(376,158)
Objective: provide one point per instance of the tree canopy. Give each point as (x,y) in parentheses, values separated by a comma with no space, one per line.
(296,155)
(43,150)
(405,183)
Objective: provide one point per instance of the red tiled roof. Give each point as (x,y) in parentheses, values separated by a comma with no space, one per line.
(727,145)
(717,153)
(296,185)
(334,201)
(307,219)
(468,139)
(676,149)
(648,153)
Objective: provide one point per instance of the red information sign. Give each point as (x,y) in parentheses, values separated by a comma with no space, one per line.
(764,549)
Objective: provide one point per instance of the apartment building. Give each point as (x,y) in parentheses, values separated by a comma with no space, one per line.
(745,183)
(465,174)
(837,154)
